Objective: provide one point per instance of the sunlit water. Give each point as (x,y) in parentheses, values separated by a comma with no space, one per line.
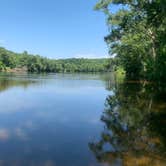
(79,120)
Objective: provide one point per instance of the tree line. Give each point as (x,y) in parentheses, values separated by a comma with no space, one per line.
(137,36)
(36,63)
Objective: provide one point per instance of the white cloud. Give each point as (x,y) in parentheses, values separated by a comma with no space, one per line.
(4,134)
(90,56)
(21,134)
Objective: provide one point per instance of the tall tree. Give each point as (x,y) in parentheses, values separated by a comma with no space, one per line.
(136,35)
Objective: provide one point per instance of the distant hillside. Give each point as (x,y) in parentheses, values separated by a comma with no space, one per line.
(13,62)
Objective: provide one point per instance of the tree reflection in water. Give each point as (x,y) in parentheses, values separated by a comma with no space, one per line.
(6,83)
(134,126)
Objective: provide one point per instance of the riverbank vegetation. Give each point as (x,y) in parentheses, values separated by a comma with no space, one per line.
(136,36)
(24,62)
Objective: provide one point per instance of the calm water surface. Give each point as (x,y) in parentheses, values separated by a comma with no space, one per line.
(80,120)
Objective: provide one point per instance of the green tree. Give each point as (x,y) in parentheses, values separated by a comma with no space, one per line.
(136,36)
(36,63)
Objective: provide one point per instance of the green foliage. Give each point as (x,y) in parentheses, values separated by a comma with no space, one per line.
(2,67)
(36,63)
(137,36)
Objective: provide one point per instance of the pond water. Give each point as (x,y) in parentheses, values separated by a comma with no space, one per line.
(80,120)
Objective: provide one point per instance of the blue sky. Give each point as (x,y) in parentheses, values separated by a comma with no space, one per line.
(53,28)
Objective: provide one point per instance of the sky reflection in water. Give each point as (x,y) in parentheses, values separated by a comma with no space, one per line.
(49,119)
(77,120)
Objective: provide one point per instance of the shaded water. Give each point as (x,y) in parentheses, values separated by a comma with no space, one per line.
(80,120)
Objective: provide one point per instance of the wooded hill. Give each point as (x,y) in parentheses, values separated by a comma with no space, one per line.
(10,61)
